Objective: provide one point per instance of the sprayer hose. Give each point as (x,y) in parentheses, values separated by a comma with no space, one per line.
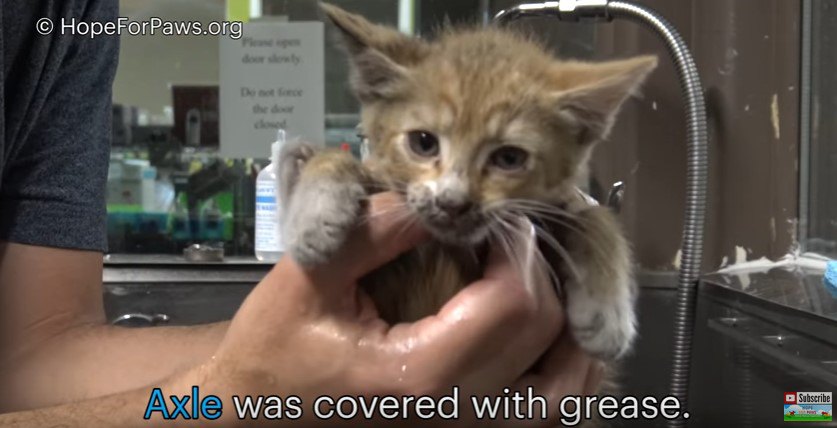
(696,189)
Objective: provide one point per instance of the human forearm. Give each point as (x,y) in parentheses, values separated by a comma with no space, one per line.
(117,410)
(94,361)
(124,409)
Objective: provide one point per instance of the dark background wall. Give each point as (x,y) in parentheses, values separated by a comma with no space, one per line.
(747,53)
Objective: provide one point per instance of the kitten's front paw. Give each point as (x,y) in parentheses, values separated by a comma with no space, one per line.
(321,215)
(606,330)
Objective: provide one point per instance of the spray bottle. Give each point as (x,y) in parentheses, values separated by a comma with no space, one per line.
(269,244)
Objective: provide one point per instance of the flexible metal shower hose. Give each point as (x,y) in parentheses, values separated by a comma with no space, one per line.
(696,189)
(697,159)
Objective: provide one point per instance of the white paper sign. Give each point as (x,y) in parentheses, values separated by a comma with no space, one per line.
(271,78)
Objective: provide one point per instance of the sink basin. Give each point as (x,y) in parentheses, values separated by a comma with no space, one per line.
(177,294)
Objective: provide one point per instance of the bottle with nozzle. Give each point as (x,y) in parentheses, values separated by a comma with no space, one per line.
(269,243)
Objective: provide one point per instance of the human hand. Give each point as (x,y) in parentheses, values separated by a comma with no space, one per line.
(313,333)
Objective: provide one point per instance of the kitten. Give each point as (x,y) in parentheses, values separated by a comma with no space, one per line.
(475,129)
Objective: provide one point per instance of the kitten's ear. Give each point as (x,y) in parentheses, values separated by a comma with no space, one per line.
(592,93)
(380,56)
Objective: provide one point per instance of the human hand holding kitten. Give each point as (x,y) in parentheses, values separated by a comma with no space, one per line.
(311,332)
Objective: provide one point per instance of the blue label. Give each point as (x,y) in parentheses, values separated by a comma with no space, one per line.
(265,200)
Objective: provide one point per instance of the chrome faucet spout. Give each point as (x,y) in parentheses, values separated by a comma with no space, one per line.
(565,10)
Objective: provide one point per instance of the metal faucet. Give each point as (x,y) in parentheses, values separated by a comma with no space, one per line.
(698,155)
(566,10)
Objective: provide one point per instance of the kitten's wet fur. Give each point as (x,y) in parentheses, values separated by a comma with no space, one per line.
(475,129)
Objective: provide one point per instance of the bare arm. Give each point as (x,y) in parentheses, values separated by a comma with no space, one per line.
(310,333)
(57,346)
(122,410)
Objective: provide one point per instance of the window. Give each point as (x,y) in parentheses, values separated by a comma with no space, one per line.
(169,184)
(819,227)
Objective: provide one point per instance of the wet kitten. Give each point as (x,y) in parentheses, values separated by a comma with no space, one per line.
(475,129)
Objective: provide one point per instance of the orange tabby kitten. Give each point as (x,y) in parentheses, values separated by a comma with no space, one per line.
(475,129)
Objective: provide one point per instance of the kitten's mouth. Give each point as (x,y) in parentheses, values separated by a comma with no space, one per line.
(461,231)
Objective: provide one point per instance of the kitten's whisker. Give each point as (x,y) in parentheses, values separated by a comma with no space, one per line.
(592,241)
(542,213)
(562,252)
(412,221)
(510,235)
(587,235)
(582,234)
(548,216)
(387,212)
(542,216)
(503,239)
(398,210)
(553,275)
(541,207)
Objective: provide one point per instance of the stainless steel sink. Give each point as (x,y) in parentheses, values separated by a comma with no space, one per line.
(139,294)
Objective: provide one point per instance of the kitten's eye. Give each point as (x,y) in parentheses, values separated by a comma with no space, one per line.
(509,158)
(423,143)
